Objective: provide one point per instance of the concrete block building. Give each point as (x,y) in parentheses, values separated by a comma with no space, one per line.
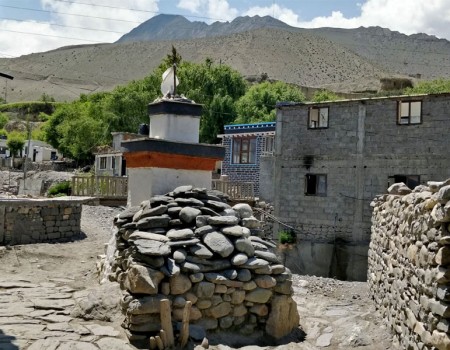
(245,145)
(333,158)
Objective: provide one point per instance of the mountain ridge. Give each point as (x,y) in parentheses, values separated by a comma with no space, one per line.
(342,60)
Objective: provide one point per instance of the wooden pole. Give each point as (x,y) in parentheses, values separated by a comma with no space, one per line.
(163,337)
(184,334)
(166,322)
(159,343)
(152,343)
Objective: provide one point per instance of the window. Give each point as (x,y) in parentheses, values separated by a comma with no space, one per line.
(318,117)
(113,163)
(268,145)
(409,180)
(102,164)
(244,150)
(316,185)
(409,112)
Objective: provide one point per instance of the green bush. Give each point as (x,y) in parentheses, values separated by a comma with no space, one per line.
(287,237)
(60,189)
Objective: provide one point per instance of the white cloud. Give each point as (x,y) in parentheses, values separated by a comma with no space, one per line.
(213,9)
(415,16)
(17,36)
(282,13)
(221,9)
(190,5)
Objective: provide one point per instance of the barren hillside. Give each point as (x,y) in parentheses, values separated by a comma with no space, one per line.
(418,55)
(298,58)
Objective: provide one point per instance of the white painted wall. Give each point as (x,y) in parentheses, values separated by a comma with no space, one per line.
(144,183)
(44,151)
(171,127)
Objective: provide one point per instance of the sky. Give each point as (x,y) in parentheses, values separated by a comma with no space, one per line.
(29,26)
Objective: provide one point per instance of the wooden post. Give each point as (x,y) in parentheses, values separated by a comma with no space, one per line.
(184,334)
(163,336)
(166,322)
(159,343)
(152,343)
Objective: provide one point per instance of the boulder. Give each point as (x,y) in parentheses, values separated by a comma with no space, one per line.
(152,247)
(188,214)
(142,280)
(179,284)
(177,235)
(218,243)
(244,210)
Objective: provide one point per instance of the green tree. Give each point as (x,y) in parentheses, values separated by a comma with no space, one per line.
(217,88)
(3,120)
(173,58)
(15,142)
(258,104)
(38,134)
(77,128)
(324,95)
(430,87)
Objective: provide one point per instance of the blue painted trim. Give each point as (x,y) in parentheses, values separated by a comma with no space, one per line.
(253,125)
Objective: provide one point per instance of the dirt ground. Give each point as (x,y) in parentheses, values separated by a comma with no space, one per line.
(334,314)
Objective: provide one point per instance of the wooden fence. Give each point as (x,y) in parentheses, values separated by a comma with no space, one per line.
(236,190)
(100,186)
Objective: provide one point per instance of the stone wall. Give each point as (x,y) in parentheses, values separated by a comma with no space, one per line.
(190,245)
(24,221)
(409,264)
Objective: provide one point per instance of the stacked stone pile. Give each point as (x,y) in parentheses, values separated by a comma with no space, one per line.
(190,245)
(409,263)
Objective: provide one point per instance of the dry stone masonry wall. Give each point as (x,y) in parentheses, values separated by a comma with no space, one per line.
(25,221)
(190,245)
(409,263)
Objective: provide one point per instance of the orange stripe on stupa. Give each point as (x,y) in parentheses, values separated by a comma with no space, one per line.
(169,161)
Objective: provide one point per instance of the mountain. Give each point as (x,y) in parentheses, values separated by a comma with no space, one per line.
(417,55)
(343,60)
(175,27)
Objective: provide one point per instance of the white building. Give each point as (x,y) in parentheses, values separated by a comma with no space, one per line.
(40,151)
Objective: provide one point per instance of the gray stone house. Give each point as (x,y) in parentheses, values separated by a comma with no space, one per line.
(333,158)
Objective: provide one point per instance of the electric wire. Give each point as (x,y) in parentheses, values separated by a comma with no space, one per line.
(70,14)
(62,25)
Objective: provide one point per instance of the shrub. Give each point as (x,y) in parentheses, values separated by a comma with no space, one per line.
(15,142)
(287,237)
(60,189)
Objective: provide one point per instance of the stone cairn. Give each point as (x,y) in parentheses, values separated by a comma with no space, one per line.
(409,264)
(195,250)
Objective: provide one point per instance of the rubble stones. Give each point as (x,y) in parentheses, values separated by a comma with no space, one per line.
(219,243)
(206,258)
(409,264)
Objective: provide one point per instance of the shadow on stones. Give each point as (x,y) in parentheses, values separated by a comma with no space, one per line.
(6,342)
(236,340)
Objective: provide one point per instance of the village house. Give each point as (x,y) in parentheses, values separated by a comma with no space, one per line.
(245,145)
(39,151)
(333,158)
(110,161)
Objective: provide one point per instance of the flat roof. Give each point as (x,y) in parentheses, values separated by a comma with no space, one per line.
(375,98)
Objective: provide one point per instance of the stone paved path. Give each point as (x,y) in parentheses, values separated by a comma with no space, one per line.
(37,317)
